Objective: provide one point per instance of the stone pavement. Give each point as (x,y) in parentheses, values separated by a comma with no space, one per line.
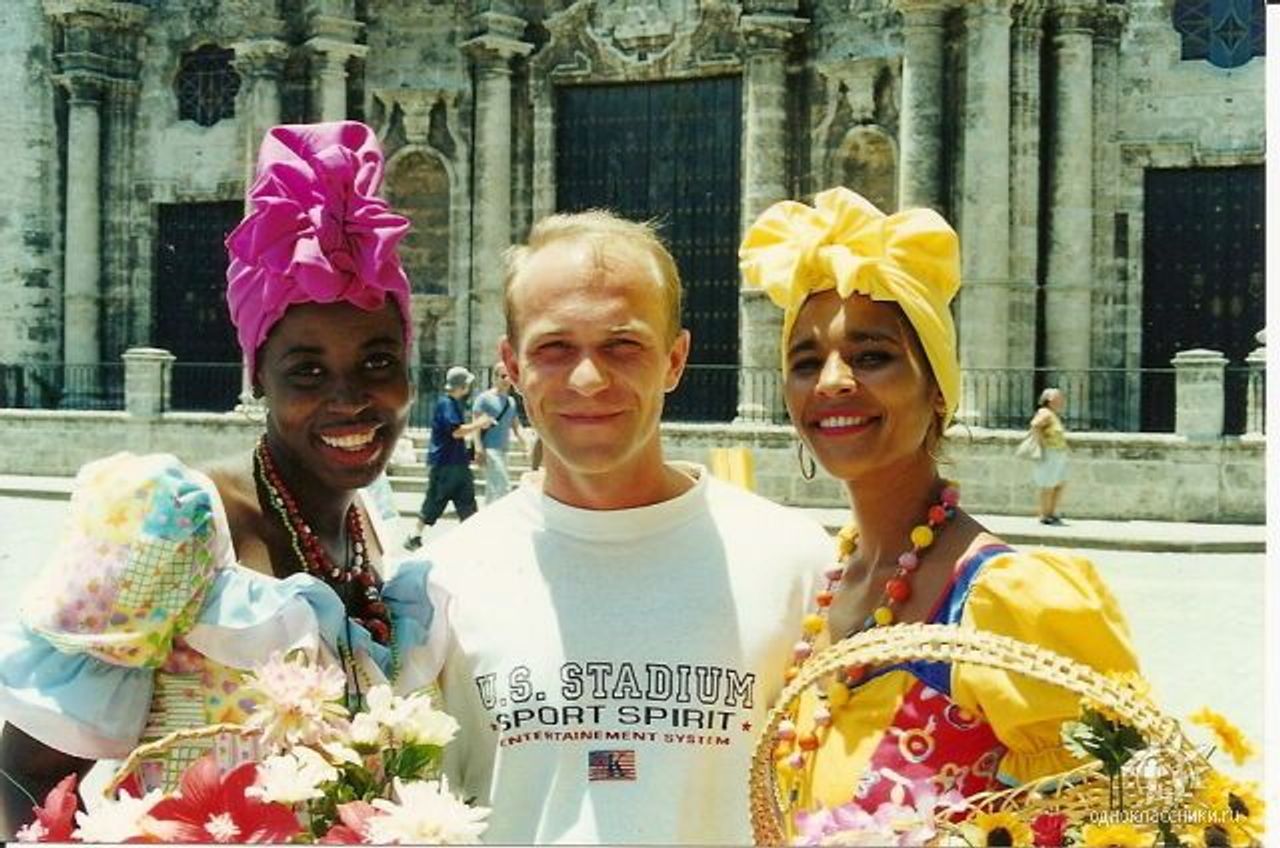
(1153,536)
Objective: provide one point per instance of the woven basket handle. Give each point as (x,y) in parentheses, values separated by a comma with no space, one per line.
(164,743)
(884,646)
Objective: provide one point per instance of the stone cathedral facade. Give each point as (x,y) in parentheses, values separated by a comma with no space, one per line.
(1102,159)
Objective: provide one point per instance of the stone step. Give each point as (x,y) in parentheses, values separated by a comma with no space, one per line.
(516,466)
(415,479)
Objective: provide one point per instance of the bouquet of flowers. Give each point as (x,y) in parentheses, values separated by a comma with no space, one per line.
(1141,783)
(322,775)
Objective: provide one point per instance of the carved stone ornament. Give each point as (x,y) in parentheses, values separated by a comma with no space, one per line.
(102,13)
(638,40)
(415,106)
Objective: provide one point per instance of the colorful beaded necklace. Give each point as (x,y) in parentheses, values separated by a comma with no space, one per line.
(793,747)
(365,603)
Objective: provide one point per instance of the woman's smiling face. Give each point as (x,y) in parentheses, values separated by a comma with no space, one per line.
(336,381)
(858,385)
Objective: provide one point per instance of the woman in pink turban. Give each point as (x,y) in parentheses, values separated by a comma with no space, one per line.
(172,581)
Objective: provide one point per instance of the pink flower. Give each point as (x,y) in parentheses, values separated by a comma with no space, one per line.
(214,808)
(300,703)
(893,822)
(354,829)
(55,819)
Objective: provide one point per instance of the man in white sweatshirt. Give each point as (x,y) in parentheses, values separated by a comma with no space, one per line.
(611,639)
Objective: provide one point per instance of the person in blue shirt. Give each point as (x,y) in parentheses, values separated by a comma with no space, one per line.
(448,460)
(491,449)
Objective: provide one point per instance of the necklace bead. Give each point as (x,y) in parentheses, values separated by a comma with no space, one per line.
(792,747)
(312,557)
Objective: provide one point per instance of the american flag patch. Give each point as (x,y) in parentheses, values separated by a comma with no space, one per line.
(611,765)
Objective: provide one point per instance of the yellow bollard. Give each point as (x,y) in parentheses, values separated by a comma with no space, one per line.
(734,465)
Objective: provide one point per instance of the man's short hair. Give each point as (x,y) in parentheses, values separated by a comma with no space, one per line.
(608,235)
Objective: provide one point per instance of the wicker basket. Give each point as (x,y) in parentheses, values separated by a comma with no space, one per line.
(1160,777)
(177,750)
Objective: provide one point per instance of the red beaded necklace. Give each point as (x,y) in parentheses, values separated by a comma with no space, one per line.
(792,748)
(365,604)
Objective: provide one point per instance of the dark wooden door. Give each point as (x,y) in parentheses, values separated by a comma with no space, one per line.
(669,151)
(191,320)
(1202,278)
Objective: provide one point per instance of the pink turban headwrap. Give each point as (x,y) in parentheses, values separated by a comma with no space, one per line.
(315,232)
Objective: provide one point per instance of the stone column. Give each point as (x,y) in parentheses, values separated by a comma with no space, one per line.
(984,205)
(259,62)
(1024,196)
(329,76)
(1111,337)
(491,55)
(920,137)
(148,374)
(764,181)
(1200,393)
(1256,405)
(82,293)
(30,229)
(1068,293)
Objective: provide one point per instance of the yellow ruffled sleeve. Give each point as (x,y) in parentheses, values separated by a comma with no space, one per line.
(1058,602)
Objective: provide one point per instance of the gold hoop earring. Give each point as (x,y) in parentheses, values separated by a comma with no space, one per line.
(807,471)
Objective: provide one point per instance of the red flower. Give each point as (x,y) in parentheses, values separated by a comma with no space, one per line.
(1048,829)
(213,808)
(352,831)
(56,818)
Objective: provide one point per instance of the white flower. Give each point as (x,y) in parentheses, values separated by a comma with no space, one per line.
(301,702)
(292,777)
(366,730)
(116,821)
(34,832)
(426,813)
(382,706)
(422,724)
(340,753)
(222,828)
(410,721)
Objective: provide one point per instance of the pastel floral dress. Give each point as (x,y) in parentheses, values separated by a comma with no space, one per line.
(144,623)
(959,726)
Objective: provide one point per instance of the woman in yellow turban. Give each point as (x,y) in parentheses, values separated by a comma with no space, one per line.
(872,380)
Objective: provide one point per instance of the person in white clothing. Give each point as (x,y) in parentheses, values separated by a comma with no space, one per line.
(610,638)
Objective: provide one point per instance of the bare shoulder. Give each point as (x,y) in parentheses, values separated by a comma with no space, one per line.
(970,536)
(233,478)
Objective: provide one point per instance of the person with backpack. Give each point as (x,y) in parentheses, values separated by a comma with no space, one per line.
(497,403)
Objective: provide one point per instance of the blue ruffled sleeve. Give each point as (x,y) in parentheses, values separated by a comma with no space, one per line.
(248,616)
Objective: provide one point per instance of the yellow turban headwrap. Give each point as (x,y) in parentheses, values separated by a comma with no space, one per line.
(845,243)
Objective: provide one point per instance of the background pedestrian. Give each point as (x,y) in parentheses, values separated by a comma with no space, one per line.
(1050,471)
(497,403)
(448,459)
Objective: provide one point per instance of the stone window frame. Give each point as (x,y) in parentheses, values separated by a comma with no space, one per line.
(1224,33)
(206,84)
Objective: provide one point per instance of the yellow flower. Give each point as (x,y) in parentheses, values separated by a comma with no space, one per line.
(1002,828)
(1115,836)
(847,540)
(1227,735)
(1232,807)
(1248,810)
(1213,791)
